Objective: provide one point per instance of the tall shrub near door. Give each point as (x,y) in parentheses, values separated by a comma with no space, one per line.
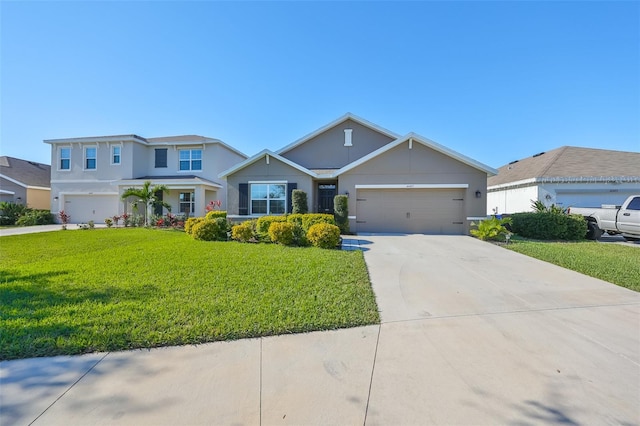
(341,212)
(299,202)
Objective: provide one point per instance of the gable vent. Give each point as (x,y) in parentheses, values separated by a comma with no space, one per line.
(347,137)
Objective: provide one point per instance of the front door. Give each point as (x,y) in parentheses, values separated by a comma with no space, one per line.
(326,192)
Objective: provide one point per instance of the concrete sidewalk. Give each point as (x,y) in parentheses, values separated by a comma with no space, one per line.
(19,230)
(471,334)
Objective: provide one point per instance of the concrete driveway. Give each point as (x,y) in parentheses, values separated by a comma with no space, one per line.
(471,334)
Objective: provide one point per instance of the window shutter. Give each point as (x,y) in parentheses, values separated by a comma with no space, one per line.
(243,199)
(290,188)
(161,158)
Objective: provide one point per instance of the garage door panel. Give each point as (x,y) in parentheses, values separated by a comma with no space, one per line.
(430,211)
(83,208)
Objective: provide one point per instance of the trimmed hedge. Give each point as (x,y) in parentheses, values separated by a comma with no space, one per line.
(282,233)
(310,219)
(324,235)
(264,222)
(190,223)
(214,214)
(549,226)
(244,231)
(210,230)
(35,217)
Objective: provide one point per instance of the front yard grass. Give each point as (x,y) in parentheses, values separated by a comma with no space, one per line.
(614,263)
(73,292)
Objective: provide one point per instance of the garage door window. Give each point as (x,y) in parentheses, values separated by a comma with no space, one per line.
(268,198)
(187,202)
(90,157)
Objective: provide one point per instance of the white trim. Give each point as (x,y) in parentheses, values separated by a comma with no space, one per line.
(477,217)
(515,183)
(258,157)
(172,184)
(41,188)
(424,141)
(351,217)
(83,181)
(87,193)
(415,186)
(24,185)
(4,191)
(347,116)
(268,181)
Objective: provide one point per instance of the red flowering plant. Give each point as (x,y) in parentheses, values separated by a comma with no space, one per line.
(212,205)
(64,218)
(116,219)
(125,219)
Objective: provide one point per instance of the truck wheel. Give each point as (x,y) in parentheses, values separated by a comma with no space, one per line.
(593,231)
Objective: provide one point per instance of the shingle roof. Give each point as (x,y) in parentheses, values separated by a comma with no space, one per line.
(569,161)
(26,172)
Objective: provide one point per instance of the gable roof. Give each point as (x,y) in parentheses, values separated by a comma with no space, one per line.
(414,137)
(569,161)
(25,173)
(262,154)
(347,116)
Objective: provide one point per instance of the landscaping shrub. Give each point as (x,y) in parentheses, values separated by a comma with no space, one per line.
(310,219)
(295,219)
(491,229)
(35,217)
(264,222)
(281,233)
(213,214)
(210,230)
(10,212)
(324,235)
(190,223)
(341,212)
(549,226)
(299,202)
(243,232)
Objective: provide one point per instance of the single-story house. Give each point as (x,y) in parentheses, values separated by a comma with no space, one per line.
(568,176)
(25,182)
(394,183)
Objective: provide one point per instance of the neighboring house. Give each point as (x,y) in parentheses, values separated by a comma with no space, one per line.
(89,174)
(566,176)
(25,182)
(406,184)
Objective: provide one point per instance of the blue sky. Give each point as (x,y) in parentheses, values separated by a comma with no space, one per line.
(496,81)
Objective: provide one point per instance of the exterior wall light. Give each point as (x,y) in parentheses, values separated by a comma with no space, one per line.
(478,194)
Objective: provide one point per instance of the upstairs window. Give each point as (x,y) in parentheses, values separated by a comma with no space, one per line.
(90,157)
(115,154)
(65,158)
(161,158)
(268,198)
(190,159)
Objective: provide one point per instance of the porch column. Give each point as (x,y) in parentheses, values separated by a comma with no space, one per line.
(201,201)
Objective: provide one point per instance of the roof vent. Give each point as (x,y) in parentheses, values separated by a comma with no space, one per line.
(514,162)
(538,154)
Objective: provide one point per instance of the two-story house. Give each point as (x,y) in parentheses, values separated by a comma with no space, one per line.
(394,183)
(89,175)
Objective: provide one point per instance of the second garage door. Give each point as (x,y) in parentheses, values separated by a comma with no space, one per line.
(413,211)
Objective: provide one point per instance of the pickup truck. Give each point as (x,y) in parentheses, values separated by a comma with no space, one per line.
(624,220)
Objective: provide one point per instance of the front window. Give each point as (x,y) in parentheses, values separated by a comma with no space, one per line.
(268,198)
(190,159)
(115,154)
(65,158)
(90,155)
(187,202)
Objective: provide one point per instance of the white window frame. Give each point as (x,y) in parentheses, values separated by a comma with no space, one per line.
(191,202)
(190,160)
(60,158)
(268,183)
(84,163)
(113,155)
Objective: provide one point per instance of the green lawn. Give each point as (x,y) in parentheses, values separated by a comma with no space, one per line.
(614,263)
(72,292)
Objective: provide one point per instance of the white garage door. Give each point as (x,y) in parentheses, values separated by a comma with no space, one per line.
(413,211)
(83,208)
(586,199)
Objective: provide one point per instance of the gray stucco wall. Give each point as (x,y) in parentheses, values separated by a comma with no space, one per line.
(419,165)
(327,150)
(261,171)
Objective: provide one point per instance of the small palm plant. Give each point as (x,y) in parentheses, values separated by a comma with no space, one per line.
(492,229)
(148,196)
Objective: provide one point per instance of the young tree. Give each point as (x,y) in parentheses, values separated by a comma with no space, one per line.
(147,196)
